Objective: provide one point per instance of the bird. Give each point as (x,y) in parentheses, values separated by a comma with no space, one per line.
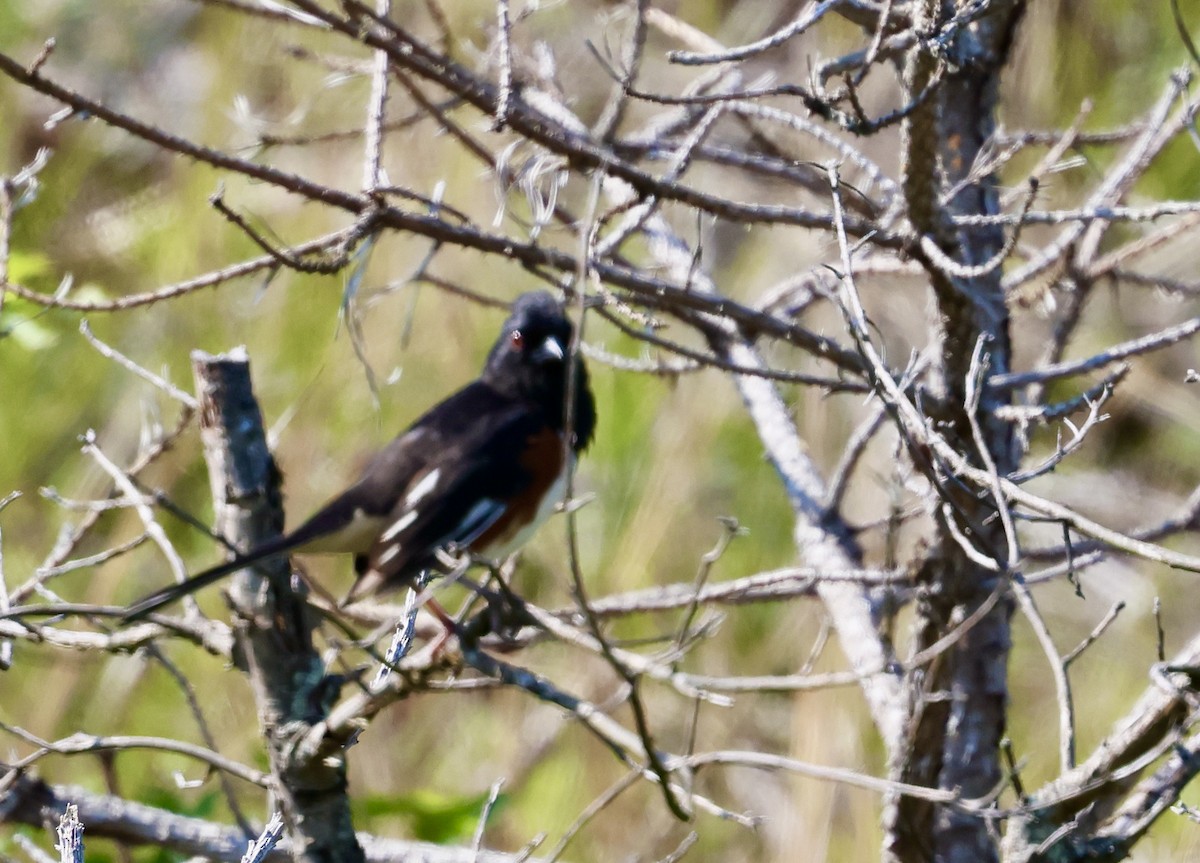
(477,472)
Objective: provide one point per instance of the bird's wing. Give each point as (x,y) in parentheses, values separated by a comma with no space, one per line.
(399,472)
(481,482)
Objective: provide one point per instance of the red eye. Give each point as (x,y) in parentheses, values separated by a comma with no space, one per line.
(516,339)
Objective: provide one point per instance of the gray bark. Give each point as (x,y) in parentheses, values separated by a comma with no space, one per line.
(273,623)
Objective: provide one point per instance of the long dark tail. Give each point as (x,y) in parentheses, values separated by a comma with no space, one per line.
(154,601)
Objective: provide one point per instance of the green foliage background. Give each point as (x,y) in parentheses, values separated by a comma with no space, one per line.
(670,457)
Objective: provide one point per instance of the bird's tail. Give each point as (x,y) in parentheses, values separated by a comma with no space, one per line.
(154,601)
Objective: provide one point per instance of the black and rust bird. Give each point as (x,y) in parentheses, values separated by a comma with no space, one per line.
(477,472)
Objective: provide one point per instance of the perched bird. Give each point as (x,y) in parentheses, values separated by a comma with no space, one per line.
(477,472)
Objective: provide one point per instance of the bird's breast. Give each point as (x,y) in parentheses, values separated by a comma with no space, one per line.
(544,463)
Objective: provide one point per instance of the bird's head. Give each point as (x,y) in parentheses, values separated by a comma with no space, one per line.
(529,359)
(530,355)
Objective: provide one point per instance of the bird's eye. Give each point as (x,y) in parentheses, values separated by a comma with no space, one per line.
(516,339)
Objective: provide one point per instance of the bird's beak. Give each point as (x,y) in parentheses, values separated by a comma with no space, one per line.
(550,350)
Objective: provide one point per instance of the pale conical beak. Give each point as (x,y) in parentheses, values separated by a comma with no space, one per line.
(549,351)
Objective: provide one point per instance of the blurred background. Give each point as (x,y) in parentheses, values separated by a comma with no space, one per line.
(672,455)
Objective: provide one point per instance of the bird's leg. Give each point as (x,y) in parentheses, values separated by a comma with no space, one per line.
(449,626)
(455,570)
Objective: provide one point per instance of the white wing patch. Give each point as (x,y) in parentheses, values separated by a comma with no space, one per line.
(388,554)
(427,484)
(398,526)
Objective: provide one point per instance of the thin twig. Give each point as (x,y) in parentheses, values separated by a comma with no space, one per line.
(489,804)
(376,126)
(193,703)
(593,809)
(82,744)
(123,482)
(1133,347)
(145,374)
(504,42)
(1105,622)
(1058,669)
(272,832)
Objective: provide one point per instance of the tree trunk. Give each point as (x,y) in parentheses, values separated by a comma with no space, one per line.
(272,620)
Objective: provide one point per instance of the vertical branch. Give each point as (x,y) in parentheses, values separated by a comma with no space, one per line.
(374,131)
(959,705)
(70,836)
(504,42)
(920,143)
(273,625)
